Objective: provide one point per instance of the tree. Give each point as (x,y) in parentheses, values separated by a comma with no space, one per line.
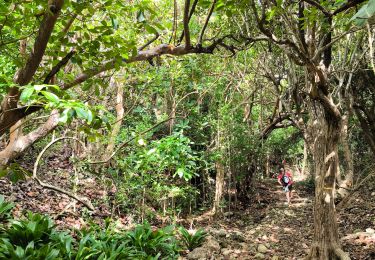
(307,32)
(86,35)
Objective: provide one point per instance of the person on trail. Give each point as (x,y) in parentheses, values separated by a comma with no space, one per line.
(285,179)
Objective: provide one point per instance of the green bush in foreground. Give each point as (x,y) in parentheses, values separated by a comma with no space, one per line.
(35,237)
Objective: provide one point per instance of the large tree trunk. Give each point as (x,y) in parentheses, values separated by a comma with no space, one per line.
(326,243)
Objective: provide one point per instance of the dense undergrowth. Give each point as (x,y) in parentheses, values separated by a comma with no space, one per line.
(36,237)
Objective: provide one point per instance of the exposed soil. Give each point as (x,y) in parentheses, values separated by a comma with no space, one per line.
(265,229)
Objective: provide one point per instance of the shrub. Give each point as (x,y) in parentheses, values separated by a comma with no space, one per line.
(192,241)
(5,209)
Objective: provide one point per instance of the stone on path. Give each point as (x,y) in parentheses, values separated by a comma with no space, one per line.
(262,248)
(259,256)
(198,254)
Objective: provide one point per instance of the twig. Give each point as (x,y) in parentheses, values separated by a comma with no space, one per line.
(84,201)
(149,42)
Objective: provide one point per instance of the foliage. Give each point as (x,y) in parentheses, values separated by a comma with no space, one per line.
(5,209)
(365,14)
(192,240)
(154,241)
(36,238)
(35,227)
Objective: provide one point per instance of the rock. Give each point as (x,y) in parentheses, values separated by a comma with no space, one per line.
(259,256)
(252,232)
(226,251)
(198,253)
(373,194)
(222,233)
(262,248)
(252,248)
(212,244)
(275,257)
(228,214)
(370,230)
(244,246)
(238,236)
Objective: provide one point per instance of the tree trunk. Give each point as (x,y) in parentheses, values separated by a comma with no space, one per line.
(119,117)
(218,187)
(304,160)
(346,182)
(326,243)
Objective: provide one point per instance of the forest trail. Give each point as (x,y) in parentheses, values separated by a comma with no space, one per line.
(265,229)
(269,229)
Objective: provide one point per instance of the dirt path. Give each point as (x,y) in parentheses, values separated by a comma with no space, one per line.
(270,229)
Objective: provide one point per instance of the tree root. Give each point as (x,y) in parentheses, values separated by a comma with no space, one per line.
(84,201)
(318,253)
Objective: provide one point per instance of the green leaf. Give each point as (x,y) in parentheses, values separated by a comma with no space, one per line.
(51,97)
(367,11)
(114,23)
(81,112)
(140,16)
(26,94)
(66,115)
(39,87)
(150,29)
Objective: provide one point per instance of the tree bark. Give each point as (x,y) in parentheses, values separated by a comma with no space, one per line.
(16,148)
(119,117)
(326,243)
(219,187)
(346,182)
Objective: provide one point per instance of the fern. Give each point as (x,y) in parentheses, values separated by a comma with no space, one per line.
(192,241)
(5,209)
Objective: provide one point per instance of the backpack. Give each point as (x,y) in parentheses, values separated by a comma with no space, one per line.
(286,179)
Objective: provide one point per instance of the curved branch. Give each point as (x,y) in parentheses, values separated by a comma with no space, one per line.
(84,201)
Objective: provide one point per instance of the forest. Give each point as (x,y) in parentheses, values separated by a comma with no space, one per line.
(187,129)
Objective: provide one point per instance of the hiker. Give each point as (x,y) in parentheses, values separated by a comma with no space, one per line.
(285,180)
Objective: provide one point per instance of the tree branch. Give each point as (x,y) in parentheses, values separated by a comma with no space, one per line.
(25,141)
(190,15)
(349,4)
(200,40)
(58,66)
(186,24)
(149,42)
(318,6)
(84,201)
(25,74)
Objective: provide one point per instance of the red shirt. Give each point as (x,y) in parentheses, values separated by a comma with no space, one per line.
(288,174)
